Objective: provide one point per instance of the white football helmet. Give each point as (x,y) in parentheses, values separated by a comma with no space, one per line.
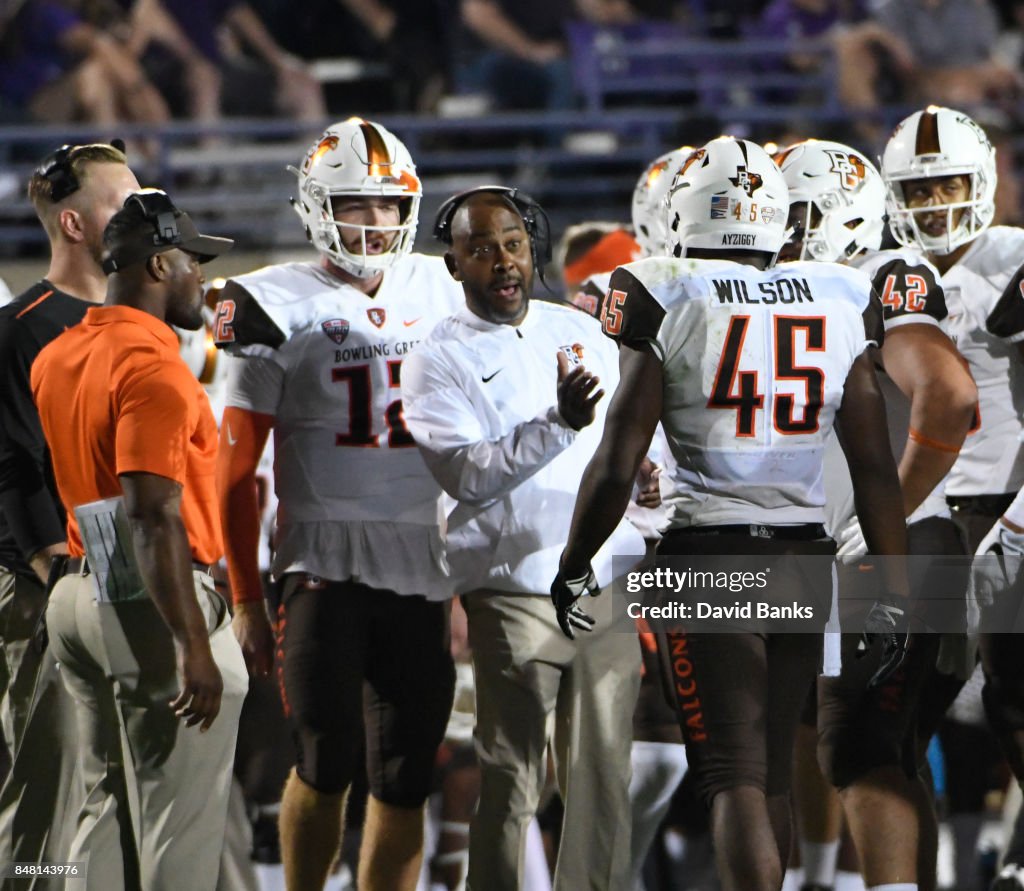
(728,195)
(357,157)
(846,190)
(940,142)
(650,206)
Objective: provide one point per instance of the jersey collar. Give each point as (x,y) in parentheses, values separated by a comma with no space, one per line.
(107,315)
(471,320)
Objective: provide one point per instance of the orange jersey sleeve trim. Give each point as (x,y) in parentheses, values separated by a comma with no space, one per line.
(243,436)
(34,304)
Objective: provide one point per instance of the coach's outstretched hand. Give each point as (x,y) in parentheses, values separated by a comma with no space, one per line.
(578,393)
(564,594)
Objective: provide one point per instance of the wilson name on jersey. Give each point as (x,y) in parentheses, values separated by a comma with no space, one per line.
(754,368)
(332,360)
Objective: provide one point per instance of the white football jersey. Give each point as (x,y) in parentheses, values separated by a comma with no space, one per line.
(355,499)
(482,400)
(750,390)
(911,292)
(986,319)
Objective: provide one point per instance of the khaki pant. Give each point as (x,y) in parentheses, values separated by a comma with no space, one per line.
(38,799)
(156,791)
(530,678)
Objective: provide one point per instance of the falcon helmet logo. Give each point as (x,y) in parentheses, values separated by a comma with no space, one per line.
(377,315)
(744,179)
(656,171)
(336,329)
(325,145)
(850,169)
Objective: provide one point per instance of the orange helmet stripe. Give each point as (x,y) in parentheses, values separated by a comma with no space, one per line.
(927,142)
(377,153)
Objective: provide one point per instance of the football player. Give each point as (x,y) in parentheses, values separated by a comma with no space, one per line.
(649,208)
(727,350)
(359,548)
(870,749)
(939,169)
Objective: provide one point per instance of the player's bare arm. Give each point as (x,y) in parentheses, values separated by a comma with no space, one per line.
(162,550)
(863,434)
(923,362)
(604,493)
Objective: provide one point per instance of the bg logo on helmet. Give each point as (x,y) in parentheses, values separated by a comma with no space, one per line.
(850,169)
(749,182)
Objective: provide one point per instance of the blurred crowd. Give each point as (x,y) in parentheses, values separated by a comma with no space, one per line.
(151,60)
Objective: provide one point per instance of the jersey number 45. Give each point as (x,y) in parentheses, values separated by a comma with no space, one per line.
(738,390)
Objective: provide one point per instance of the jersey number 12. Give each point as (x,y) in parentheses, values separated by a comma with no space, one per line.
(360,408)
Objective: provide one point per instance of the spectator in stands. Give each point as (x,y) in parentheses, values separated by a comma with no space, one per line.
(800,20)
(411,36)
(838,26)
(182,35)
(524,60)
(56,67)
(939,51)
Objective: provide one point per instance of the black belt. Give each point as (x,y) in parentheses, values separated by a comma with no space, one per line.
(80,566)
(992,505)
(801,532)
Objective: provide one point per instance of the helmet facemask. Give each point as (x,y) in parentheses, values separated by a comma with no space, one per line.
(931,144)
(975,216)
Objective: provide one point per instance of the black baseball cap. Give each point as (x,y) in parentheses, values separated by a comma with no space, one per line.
(149,224)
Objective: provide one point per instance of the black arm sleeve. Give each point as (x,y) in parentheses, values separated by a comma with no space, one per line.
(908,290)
(28,496)
(874,327)
(241,320)
(1007,317)
(630,314)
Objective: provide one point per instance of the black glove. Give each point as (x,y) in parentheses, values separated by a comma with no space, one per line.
(887,621)
(564,594)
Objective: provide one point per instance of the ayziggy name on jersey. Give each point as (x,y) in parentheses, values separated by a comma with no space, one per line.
(784,290)
(738,239)
(370,350)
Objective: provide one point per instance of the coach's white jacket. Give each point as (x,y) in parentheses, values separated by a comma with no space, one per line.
(480,399)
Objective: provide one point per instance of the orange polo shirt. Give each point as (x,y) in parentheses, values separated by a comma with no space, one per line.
(114,396)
